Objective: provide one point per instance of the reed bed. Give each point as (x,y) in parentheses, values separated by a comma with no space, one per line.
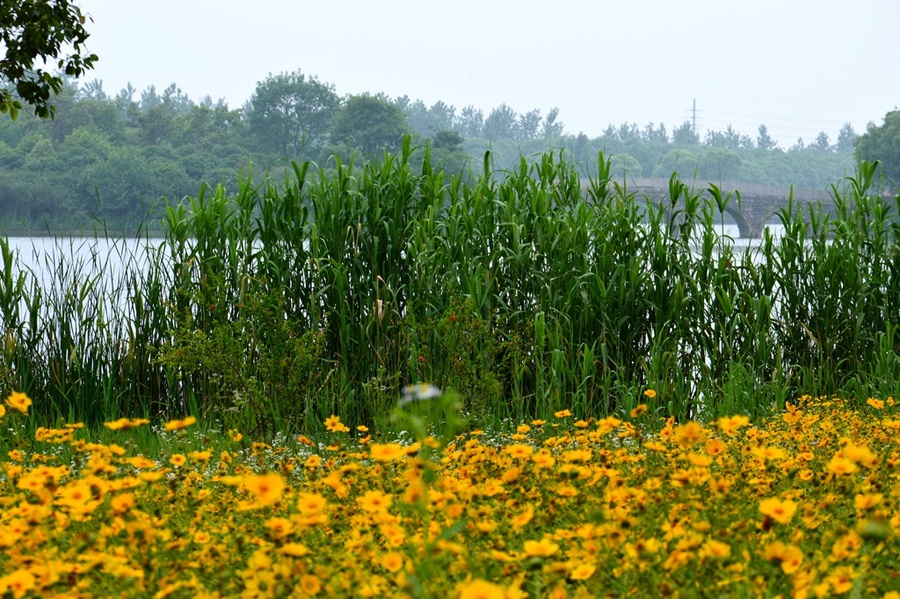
(527,292)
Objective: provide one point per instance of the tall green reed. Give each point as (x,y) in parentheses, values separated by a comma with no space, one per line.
(526,292)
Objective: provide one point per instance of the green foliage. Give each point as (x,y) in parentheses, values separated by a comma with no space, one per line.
(882,143)
(30,31)
(468,345)
(250,370)
(369,124)
(291,114)
(525,292)
(71,184)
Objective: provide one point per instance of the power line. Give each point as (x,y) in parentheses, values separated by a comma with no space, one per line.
(772,118)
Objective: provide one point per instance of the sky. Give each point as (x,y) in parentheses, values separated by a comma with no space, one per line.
(797,66)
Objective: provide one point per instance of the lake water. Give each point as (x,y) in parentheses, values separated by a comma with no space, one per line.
(42,255)
(61,264)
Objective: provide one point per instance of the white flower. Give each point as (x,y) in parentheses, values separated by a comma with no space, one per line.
(418,392)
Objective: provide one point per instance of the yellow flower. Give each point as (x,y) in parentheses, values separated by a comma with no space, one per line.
(279,527)
(543,459)
(715,549)
(789,556)
(519,451)
(122,502)
(522,519)
(715,447)
(18,401)
(689,434)
(374,501)
(177,460)
(18,583)
(294,549)
(867,501)
(730,424)
(310,584)
(841,466)
(542,548)
(562,413)
(174,425)
(265,488)
(333,424)
(859,454)
(582,571)
(125,423)
(202,537)
(235,435)
(878,404)
(782,511)
(639,409)
(387,452)
(481,589)
(649,393)
(792,416)
(310,503)
(392,561)
(841,579)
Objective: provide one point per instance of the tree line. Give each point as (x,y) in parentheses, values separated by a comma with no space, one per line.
(112,157)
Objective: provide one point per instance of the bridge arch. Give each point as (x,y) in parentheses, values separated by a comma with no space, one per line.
(757,201)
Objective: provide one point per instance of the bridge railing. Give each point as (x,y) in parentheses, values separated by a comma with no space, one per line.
(749,190)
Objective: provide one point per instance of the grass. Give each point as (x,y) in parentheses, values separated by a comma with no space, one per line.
(526,292)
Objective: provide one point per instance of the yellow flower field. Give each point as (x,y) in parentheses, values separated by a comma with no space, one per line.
(804,505)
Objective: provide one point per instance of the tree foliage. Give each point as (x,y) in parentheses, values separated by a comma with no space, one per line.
(290,113)
(369,124)
(883,143)
(34,32)
(111,157)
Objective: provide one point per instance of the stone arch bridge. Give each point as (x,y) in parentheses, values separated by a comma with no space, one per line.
(758,202)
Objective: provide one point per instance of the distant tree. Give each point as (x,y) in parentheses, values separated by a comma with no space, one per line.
(652,134)
(36,31)
(846,139)
(501,123)
(822,144)
(448,140)
(552,129)
(448,151)
(629,134)
(529,124)
(680,160)
(883,143)
(176,101)
(290,112)
(685,136)
(417,117)
(93,90)
(442,115)
(471,122)
(157,124)
(149,98)
(580,150)
(427,121)
(369,124)
(728,139)
(764,141)
(799,146)
(624,166)
(718,164)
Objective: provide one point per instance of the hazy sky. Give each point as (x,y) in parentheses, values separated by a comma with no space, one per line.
(799,66)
